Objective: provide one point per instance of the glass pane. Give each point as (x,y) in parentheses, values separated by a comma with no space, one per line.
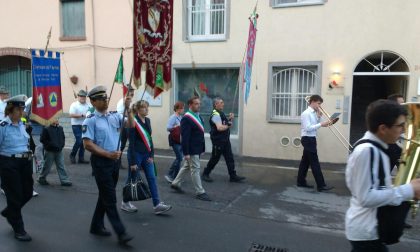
(15,75)
(209,84)
(217,17)
(198,17)
(73,18)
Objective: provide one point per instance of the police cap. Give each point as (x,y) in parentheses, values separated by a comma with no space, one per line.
(82,93)
(17,101)
(3,90)
(97,92)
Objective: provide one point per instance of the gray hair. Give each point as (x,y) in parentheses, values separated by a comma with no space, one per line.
(216,100)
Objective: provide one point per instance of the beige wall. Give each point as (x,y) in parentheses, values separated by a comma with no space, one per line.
(338,33)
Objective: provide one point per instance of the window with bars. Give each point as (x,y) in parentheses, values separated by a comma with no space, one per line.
(72,20)
(289,87)
(206,20)
(288,3)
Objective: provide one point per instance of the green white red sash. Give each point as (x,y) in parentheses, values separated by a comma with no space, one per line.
(145,136)
(196,119)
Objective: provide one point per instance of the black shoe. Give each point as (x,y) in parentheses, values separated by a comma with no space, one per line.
(236,178)
(124,238)
(72,159)
(203,197)
(22,236)
(305,185)
(407,226)
(66,184)
(82,161)
(206,177)
(177,188)
(43,182)
(325,188)
(100,232)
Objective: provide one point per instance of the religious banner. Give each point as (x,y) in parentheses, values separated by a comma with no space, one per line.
(46,83)
(247,65)
(153,20)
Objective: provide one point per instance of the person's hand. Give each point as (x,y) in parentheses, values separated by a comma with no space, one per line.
(325,124)
(150,160)
(415,183)
(115,155)
(231,116)
(133,168)
(127,101)
(187,157)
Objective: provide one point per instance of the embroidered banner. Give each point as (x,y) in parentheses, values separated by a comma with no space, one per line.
(153,20)
(46,83)
(247,65)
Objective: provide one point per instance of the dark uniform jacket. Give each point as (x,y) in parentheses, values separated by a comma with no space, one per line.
(192,137)
(219,137)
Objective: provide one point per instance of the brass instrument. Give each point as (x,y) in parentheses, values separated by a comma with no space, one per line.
(410,157)
(338,135)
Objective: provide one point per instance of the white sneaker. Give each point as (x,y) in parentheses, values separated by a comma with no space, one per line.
(162,208)
(168,179)
(34,194)
(128,207)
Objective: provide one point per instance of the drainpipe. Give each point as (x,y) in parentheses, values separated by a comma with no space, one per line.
(93,43)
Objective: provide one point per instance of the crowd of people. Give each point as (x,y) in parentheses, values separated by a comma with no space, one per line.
(105,135)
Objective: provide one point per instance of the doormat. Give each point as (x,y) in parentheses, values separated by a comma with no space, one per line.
(255,247)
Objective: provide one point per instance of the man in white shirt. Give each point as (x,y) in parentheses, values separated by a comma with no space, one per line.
(78,110)
(4,94)
(385,123)
(310,123)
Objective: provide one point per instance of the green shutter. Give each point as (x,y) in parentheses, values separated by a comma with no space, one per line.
(73,18)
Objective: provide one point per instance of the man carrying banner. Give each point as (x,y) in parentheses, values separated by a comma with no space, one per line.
(78,110)
(100,133)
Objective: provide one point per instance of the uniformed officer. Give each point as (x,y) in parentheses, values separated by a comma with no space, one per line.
(100,135)
(15,165)
(220,138)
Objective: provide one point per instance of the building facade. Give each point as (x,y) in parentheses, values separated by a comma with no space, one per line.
(349,52)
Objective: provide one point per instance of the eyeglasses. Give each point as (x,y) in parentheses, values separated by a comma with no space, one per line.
(401,125)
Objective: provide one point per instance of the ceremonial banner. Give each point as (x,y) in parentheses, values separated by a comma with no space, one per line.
(46,83)
(247,65)
(153,20)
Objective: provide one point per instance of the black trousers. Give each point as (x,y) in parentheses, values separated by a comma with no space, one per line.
(224,149)
(106,176)
(394,153)
(368,246)
(310,158)
(17,183)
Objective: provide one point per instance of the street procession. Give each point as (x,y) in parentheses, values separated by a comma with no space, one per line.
(115,115)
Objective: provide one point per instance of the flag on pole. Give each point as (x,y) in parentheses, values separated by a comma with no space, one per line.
(46,83)
(120,76)
(153,21)
(247,64)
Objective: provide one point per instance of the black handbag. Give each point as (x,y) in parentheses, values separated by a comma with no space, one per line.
(136,190)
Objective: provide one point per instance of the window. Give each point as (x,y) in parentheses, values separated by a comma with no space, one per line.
(73,20)
(289,86)
(209,83)
(289,3)
(206,20)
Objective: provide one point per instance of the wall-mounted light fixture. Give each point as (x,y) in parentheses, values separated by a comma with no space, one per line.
(336,80)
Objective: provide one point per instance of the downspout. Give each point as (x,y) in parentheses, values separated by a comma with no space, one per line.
(93,43)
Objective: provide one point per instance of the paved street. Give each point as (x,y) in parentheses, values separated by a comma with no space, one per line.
(267,209)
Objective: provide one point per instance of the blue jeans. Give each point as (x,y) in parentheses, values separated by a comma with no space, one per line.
(149,171)
(176,165)
(78,144)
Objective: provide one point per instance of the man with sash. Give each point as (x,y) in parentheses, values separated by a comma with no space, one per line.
(100,133)
(192,141)
(220,138)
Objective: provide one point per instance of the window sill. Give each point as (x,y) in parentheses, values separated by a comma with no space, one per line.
(75,38)
(285,121)
(194,40)
(287,5)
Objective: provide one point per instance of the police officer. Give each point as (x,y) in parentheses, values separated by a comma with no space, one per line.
(220,138)
(15,165)
(100,133)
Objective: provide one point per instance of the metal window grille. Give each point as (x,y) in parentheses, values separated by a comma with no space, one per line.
(206,19)
(290,87)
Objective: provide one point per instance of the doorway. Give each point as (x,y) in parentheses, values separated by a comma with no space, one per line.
(376,77)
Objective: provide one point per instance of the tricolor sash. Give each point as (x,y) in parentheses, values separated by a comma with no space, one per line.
(196,119)
(145,136)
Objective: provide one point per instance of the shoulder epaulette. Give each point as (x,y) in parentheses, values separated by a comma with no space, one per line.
(90,115)
(3,123)
(113,112)
(215,112)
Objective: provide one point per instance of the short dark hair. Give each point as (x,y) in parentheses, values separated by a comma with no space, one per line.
(191,100)
(315,98)
(394,97)
(178,105)
(383,112)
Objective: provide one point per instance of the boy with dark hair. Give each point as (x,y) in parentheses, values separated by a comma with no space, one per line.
(52,137)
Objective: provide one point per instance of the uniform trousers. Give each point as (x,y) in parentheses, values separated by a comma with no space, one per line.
(310,158)
(17,183)
(106,176)
(219,149)
(368,246)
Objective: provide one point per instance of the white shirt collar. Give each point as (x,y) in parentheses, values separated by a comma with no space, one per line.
(371,136)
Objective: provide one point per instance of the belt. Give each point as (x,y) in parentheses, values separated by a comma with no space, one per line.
(26,155)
